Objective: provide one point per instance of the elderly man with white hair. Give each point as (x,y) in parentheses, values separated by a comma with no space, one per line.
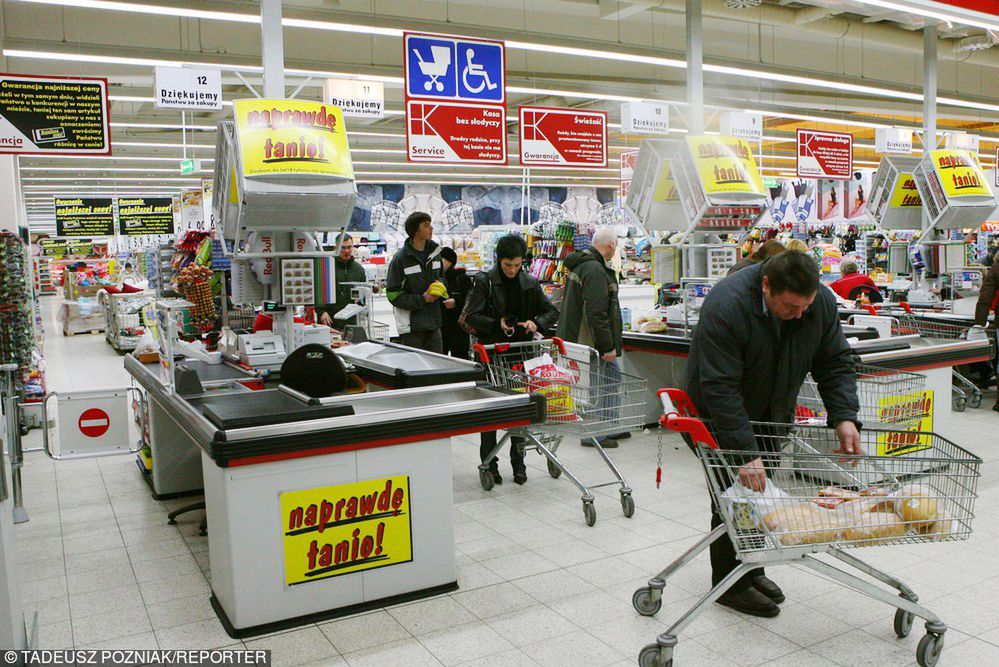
(591,315)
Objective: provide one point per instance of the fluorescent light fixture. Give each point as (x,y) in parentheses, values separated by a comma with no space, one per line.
(164,126)
(151,9)
(113,179)
(136,158)
(154,144)
(593,53)
(164,170)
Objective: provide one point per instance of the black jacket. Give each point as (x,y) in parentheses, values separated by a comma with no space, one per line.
(741,369)
(487,303)
(990,287)
(591,312)
(344,272)
(455,338)
(405,285)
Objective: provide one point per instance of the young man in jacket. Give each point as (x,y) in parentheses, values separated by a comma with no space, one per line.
(591,315)
(346,270)
(988,299)
(507,305)
(413,269)
(760,331)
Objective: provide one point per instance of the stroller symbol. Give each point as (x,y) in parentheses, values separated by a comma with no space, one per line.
(435,68)
(474,69)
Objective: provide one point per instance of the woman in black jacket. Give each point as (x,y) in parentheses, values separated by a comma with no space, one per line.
(507,305)
(455,338)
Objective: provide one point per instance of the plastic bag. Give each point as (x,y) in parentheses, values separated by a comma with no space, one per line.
(146,344)
(555,384)
(746,508)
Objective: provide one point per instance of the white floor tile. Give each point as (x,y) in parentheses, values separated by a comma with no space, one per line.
(296,647)
(361,632)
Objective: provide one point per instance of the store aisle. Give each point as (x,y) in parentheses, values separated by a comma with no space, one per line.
(102,568)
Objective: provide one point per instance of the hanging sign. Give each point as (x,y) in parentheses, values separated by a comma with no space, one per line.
(905,194)
(825,154)
(54,115)
(449,132)
(960,173)
(563,137)
(138,216)
(192,210)
(995,172)
(893,140)
(297,137)
(336,530)
(645,118)
(185,88)
(438,67)
(962,140)
(356,98)
(725,165)
(741,125)
(628,161)
(84,216)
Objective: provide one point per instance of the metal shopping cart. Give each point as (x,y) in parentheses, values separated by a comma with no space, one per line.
(888,397)
(923,490)
(586,399)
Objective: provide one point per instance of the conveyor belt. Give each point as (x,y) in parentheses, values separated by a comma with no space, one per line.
(262,408)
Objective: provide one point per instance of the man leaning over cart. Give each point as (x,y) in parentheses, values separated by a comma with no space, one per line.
(759,333)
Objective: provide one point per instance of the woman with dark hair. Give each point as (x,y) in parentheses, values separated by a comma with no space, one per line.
(507,305)
(455,338)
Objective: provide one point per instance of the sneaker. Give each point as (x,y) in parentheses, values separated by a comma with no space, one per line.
(764,585)
(750,601)
(606,443)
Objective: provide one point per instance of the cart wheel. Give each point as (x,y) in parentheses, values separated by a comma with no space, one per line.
(554,470)
(590,512)
(960,403)
(975,401)
(650,657)
(929,649)
(627,505)
(644,604)
(486,479)
(903,623)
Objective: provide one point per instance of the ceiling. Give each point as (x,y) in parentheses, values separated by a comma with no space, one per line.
(836,64)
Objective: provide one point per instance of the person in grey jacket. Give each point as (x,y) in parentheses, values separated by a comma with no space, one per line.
(591,315)
(413,269)
(760,331)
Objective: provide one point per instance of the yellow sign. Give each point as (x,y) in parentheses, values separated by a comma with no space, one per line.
(960,173)
(337,530)
(726,165)
(905,194)
(292,137)
(913,416)
(665,187)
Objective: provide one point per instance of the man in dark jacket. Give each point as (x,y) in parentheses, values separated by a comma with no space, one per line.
(507,305)
(760,331)
(591,315)
(456,342)
(346,270)
(414,268)
(988,299)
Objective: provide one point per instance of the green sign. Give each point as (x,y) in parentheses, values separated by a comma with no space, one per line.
(186,167)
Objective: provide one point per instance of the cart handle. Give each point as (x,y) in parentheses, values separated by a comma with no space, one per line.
(676,402)
(483,354)
(693,427)
(870,309)
(905,306)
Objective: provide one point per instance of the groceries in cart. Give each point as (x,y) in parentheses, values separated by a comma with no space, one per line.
(555,384)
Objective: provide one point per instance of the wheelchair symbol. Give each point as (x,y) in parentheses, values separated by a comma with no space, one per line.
(475,70)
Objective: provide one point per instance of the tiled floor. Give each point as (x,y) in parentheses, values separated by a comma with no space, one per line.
(103,569)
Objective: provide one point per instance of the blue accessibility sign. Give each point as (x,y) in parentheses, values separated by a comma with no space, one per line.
(454,68)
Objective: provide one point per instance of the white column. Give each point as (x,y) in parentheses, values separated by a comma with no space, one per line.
(930,87)
(10,191)
(272,48)
(695,68)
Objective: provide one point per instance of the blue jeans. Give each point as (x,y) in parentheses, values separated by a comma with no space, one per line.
(605,379)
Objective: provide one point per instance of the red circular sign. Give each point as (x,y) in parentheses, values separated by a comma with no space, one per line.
(94,423)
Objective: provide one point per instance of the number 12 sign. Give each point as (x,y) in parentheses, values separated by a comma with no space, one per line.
(183,88)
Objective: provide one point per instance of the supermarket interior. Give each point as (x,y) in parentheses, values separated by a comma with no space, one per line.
(454,332)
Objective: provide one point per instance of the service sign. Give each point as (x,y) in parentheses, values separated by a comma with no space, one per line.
(628,161)
(563,137)
(138,216)
(893,140)
(960,173)
(725,165)
(336,530)
(52,115)
(905,194)
(356,98)
(84,217)
(825,154)
(645,118)
(297,137)
(742,125)
(453,132)
(184,88)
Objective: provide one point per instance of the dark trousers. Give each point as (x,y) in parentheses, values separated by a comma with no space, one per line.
(423,340)
(488,443)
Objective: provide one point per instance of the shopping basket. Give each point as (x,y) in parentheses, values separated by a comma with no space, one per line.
(585,398)
(922,489)
(888,398)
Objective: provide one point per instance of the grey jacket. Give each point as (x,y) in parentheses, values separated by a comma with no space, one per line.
(405,285)
(591,312)
(742,367)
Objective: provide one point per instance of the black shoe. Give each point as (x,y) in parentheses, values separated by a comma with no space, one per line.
(497,479)
(520,476)
(607,443)
(768,588)
(750,601)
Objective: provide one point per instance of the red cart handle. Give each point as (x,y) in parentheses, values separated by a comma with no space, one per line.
(870,309)
(676,402)
(905,306)
(693,427)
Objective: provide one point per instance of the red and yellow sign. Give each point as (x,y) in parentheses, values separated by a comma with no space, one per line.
(912,415)
(292,137)
(905,194)
(726,165)
(960,173)
(336,530)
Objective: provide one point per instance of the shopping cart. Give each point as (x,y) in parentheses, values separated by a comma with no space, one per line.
(586,400)
(888,398)
(925,491)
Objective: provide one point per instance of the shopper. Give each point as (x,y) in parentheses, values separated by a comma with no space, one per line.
(507,305)
(455,338)
(988,299)
(413,269)
(798,245)
(759,333)
(767,250)
(591,315)
(346,270)
(853,283)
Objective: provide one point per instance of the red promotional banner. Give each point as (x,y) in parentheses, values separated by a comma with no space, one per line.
(450,132)
(562,137)
(825,155)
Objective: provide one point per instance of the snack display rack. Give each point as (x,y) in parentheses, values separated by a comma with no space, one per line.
(123,317)
(42,273)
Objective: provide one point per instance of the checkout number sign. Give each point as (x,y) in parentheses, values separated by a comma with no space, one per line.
(906,409)
(336,530)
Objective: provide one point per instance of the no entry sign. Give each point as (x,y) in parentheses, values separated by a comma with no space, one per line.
(825,155)
(563,137)
(446,132)
(94,423)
